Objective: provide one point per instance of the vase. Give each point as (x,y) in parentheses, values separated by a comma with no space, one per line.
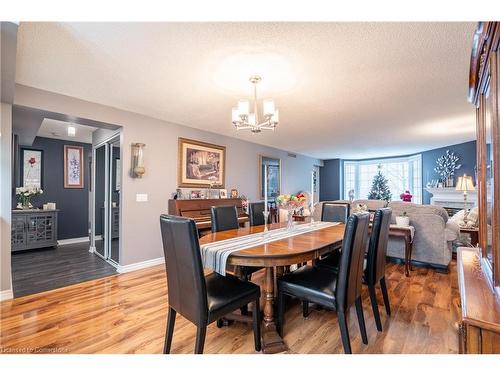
(289,225)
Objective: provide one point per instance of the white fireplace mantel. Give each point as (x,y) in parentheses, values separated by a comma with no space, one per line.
(449,197)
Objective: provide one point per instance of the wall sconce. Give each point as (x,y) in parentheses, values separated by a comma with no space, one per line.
(138,169)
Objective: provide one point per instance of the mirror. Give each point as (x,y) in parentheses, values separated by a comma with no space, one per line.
(99,199)
(273,177)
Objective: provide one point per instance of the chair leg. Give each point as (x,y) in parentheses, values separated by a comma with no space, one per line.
(376,313)
(281,313)
(201,332)
(383,286)
(256,325)
(305,309)
(344,332)
(244,310)
(169,333)
(361,320)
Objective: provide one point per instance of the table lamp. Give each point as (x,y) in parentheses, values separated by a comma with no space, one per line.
(465,184)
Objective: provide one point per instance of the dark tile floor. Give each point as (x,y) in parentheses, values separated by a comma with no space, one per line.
(39,270)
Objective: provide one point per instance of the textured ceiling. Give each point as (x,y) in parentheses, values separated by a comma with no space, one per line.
(346,90)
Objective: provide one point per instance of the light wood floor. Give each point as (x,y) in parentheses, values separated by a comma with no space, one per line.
(126,314)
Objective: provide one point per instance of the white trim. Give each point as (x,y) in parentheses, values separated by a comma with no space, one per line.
(6,294)
(140,265)
(70,241)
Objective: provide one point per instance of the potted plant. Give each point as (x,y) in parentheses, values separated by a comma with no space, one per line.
(24,196)
(403,220)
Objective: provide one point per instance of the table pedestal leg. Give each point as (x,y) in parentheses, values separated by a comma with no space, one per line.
(408,251)
(271,341)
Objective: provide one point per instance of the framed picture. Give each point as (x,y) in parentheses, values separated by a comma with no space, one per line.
(32,168)
(201,164)
(234,193)
(273,176)
(222,193)
(73,167)
(196,194)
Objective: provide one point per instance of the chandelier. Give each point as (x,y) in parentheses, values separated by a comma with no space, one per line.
(243,119)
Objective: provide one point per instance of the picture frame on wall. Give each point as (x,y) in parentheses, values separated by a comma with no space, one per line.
(201,164)
(73,167)
(32,167)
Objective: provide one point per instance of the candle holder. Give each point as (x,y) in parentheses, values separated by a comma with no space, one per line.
(265,233)
(311,210)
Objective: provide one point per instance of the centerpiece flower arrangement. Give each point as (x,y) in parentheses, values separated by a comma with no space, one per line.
(24,196)
(406,196)
(291,202)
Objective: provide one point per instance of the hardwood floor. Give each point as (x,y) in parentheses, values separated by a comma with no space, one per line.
(127,314)
(35,271)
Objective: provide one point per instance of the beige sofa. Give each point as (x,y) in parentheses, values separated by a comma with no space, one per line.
(434,232)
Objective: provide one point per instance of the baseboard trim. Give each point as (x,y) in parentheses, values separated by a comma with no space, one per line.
(140,265)
(70,241)
(6,294)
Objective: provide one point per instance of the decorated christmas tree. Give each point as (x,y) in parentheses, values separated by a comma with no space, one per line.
(380,189)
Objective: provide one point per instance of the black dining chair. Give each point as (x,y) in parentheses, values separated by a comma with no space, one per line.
(333,290)
(375,261)
(224,218)
(374,266)
(335,212)
(201,300)
(255,213)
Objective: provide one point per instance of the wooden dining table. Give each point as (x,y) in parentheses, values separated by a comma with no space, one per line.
(277,255)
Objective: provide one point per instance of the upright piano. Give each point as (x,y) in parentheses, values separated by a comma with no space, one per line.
(199,210)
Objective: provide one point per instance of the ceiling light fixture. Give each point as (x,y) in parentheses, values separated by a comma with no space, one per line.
(243,119)
(71,131)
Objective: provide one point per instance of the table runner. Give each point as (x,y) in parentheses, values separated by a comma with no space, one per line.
(411,228)
(214,255)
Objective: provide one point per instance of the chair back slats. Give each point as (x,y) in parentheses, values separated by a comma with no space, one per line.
(187,293)
(224,218)
(349,280)
(377,249)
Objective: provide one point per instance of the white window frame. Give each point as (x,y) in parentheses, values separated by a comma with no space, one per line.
(402,159)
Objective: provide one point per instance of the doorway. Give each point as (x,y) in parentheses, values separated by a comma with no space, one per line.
(106,194)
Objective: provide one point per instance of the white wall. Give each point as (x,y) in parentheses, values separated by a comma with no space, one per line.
(140,231)
(5,198)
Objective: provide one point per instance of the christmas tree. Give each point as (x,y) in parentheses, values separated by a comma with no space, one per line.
(380,189)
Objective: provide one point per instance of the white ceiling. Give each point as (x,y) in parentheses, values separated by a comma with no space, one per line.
(56,129)
(348,90)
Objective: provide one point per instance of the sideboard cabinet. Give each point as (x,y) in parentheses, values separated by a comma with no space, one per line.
(33,229)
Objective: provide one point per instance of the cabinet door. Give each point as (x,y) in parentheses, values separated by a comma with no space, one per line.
(18,233)
(41,229)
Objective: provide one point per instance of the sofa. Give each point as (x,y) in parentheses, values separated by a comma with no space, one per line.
(434,232)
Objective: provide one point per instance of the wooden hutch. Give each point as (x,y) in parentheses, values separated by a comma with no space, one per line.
(479,269)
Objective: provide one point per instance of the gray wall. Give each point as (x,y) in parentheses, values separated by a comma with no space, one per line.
(465,151)
(331,172)
(72,203)
(140,233)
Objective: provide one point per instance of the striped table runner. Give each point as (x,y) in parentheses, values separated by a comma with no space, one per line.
(214,255)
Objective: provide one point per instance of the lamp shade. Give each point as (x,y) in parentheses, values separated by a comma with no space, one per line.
(465,183)
(268,107)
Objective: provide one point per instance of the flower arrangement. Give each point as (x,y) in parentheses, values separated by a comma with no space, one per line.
(24,196)
(406,196)
(291,202)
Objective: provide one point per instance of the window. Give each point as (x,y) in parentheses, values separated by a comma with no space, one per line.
(402,174)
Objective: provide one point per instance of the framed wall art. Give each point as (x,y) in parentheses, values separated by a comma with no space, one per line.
(31,168)
(73,167)
(201,164)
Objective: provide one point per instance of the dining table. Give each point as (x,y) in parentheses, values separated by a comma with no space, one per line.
(274,257)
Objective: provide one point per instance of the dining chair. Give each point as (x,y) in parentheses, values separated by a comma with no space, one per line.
(255,213)
(333,290)
(374,265)
(335,212)
(375,261)
(224,218)
(201,300)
